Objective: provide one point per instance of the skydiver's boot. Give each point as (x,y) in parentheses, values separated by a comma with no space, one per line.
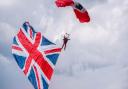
(65,47)
(62,46)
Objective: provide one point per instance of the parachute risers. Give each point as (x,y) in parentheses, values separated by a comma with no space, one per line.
(80,12)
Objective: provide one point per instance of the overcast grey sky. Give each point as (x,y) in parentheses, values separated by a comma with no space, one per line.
(96,56)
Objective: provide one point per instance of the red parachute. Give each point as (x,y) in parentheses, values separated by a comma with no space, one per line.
(63,3)
(80,12)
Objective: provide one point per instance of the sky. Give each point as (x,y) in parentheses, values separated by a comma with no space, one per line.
(96,56)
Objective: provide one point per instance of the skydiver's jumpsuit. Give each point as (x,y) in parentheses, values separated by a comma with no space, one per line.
(65,40)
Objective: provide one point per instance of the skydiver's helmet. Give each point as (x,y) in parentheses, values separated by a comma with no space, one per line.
(67,35)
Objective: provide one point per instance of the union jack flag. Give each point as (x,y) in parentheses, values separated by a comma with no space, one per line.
(35,55)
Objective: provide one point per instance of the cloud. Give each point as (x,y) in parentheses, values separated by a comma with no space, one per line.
(113,77)
(11,77)
(99,44)
(96,55)
(7,34)
(5,3)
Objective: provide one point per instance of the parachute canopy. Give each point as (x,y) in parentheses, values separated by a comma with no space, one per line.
(35,55)
(80,12)
(64,3)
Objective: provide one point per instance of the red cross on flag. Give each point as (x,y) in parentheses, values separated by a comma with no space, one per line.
(35,55)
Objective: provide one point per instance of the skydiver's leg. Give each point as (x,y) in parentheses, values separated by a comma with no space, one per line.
(62,45)
(65,45)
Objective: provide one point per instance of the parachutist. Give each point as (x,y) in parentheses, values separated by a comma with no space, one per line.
(65,40)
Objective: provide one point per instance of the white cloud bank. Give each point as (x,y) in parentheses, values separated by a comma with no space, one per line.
(7,32)
(113,77)
(10,75)
(5,3)
(96,55)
